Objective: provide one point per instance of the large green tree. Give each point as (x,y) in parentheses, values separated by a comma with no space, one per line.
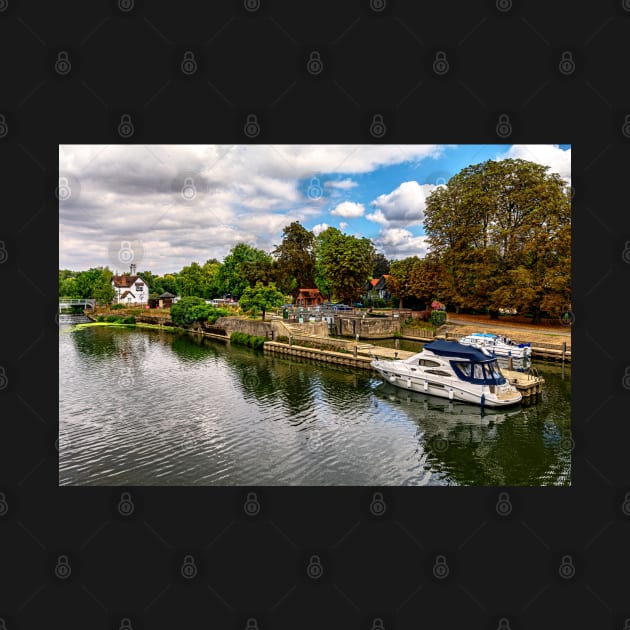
(212,286)
(501,231)
(344,264)
(86,282)
(191,281)
(243,267)
(261,298)
(295,259)
(103,291)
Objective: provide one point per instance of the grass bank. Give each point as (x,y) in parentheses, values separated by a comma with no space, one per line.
(120,324)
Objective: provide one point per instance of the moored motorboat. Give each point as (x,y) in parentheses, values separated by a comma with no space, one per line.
(452,370)
(498,345)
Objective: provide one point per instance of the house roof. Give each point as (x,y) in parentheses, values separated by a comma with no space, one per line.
(374,281)
(167,295)
(125,280)
(126,293)
(310,292)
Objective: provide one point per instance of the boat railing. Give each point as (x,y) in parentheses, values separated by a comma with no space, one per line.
(532,373)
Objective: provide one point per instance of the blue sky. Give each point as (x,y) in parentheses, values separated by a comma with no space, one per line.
(177,204)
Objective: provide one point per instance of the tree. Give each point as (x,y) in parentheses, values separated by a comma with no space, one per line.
(86,282)
(212,286)
(344,264)
(243,267)
(103,291)
(153,282)
(67,282)
(295,259)
(381,265)
(501,231)
(191,281)
(428,280)
(400,282)
(169,283)
(261,298)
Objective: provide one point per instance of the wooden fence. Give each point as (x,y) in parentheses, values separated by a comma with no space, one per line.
(420,333)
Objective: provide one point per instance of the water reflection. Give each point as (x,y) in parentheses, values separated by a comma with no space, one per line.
(521,446)
(203,412)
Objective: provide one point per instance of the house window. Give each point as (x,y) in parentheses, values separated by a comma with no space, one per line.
(139,287)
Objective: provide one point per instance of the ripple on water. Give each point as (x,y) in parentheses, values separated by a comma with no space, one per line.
(147,408)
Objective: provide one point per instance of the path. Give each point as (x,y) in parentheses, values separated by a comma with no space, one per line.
(564,332)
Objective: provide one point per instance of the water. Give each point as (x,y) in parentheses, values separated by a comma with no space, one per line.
(143,407)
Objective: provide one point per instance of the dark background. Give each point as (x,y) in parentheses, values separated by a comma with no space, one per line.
(124,569)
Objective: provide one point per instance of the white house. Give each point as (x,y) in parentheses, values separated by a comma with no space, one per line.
(130,289)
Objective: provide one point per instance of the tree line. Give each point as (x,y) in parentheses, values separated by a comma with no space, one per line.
(338,264)
(499,237)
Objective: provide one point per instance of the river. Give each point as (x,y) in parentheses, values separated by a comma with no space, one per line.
(146,407)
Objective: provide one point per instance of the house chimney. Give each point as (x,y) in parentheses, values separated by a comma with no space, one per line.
(132,269)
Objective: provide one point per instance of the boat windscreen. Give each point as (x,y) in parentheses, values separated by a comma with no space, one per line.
(484,373)
(492,370)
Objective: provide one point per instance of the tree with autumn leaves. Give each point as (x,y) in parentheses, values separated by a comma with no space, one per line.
(500,237)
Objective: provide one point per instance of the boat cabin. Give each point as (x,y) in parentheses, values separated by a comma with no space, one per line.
(469,363)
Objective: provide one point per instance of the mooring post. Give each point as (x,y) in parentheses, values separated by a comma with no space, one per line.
(564,349)
(510,364)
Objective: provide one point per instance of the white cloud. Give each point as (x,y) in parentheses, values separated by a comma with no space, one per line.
(399,243)
(343,184)
(319,228)
(559,160)
(136,192)
(343,225)
(348,210)
(403,206)
(377,217)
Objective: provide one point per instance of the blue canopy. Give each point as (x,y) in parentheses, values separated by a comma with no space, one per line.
(455,349)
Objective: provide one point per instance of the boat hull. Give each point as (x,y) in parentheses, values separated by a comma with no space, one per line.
(499,349)
(452,390)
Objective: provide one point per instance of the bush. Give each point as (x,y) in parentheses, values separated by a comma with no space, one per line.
(189,309)
(129,320)
(113,319)
(100,318)
(438,318)
(250,341)
(117,307)
(424,316)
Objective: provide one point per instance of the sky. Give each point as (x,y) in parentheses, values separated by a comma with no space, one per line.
(162,207)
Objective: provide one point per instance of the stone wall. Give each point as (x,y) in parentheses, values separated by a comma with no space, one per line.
(153,319)
(368,327)
(248,326)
